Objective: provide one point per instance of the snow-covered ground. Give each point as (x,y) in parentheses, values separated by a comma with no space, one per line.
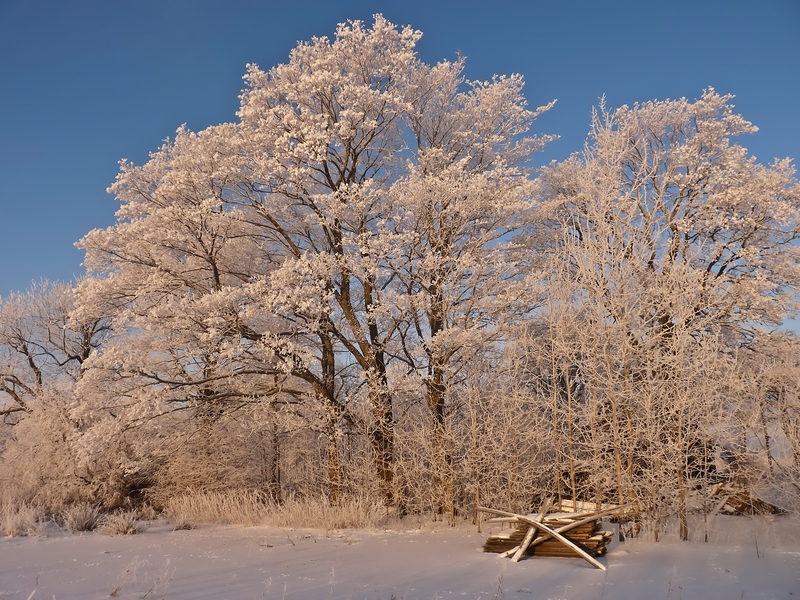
(748,559)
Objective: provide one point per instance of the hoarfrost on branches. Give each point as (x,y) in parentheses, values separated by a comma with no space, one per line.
(362,286)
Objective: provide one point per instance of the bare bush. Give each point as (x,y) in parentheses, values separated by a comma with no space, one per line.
(219,455)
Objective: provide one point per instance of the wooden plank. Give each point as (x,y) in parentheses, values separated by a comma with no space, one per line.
(566,528)
(576,524)
(581,530)
(545,529)
(508,553)
(590,559)
(578,532)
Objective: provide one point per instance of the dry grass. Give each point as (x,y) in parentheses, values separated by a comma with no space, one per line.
(182,521)
(237,507)
(353,512)
(81,517)
(122,523)
(23,520)
(254,508)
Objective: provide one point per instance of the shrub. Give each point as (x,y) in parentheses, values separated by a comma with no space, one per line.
(122,523)
(182,521)
(23,520)
(81,517)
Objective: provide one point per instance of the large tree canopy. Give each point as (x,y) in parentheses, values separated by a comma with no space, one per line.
(361,213)
(361,285)
(672,225)
(677,250)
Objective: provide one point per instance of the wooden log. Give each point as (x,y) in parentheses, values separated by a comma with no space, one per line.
(512,540)
(565,553)
(532,531)
(581,529)
(506,550)
(555,547)
(524,545)
(580,522)
(502,520)
(545,529)
(505,543)
(510,552)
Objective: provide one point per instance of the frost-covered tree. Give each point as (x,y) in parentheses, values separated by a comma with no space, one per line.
(397,186)
(452,247)
(44,353)
(175,267)
(40,345)
(676,249)
(688,229)
(357,219)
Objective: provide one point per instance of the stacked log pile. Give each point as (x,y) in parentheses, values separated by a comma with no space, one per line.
(589,536)
(567,534)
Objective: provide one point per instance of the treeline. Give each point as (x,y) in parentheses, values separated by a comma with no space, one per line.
(362,287)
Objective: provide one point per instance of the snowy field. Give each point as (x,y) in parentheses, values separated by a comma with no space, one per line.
(748,559)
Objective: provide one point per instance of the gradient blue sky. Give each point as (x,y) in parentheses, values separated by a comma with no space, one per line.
(84,83)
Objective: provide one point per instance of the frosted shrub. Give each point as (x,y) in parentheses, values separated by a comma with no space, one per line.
(182,522)
(122,523)
(23,520)
(81,517)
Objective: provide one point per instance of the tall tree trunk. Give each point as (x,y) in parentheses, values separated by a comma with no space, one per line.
(443,457)
(334,464)
(436,399)
(556,437)
(327,394)
(273,466)
(683,520)
(383,412)
(762,401)
(570,435)
(383,443)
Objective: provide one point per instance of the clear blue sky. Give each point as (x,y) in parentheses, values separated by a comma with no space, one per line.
(84,83)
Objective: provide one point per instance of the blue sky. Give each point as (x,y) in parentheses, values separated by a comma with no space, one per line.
(85,83)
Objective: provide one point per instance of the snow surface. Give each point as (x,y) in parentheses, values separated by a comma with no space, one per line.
(266,562)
